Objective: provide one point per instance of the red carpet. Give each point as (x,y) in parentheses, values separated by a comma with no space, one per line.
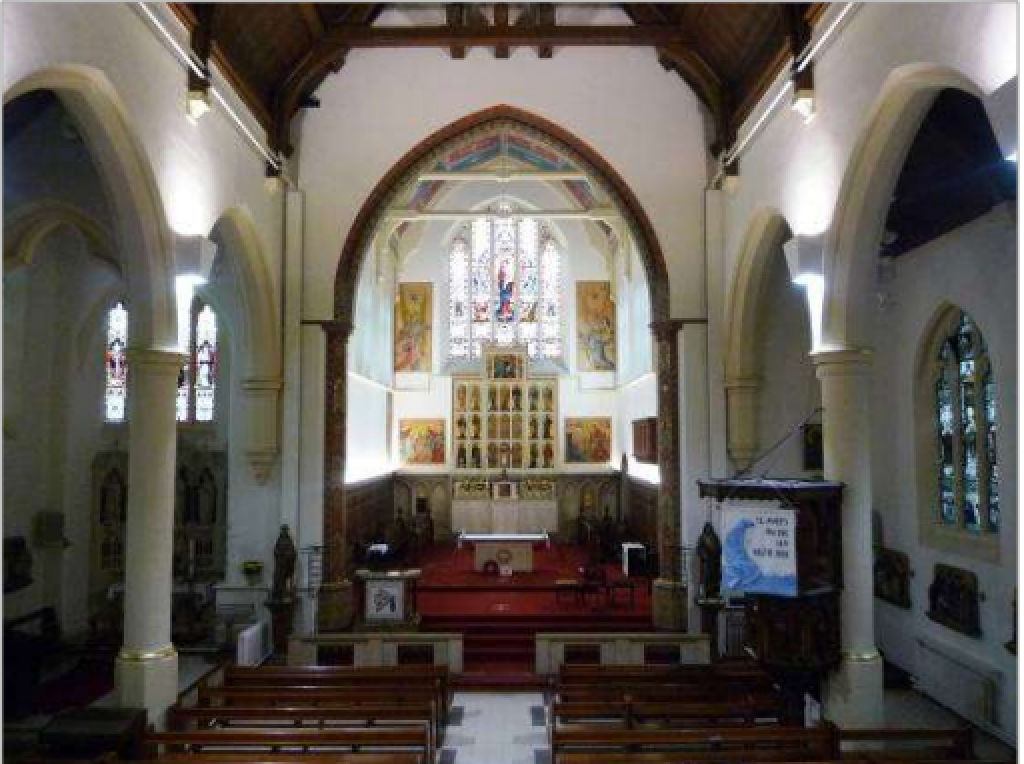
(499,616)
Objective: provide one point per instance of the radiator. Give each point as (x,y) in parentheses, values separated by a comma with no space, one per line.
(958,682)
(255,644)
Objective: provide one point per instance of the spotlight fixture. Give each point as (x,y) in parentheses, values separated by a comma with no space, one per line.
(197,101)
(803,95)
(272,179)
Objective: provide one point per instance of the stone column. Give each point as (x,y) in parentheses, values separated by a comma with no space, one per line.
(668,606)
(147,666)
(741,396)
(854,695)
(336,593)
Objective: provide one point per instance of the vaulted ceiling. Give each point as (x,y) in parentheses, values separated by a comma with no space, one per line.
(276,55)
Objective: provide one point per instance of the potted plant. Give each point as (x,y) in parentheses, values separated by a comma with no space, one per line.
(253,571)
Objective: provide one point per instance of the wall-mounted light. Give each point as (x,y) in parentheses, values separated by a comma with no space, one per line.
(273,181)
(197,100)
(804,102)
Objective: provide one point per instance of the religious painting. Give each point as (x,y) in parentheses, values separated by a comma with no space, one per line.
(385,600)
(595,326)
(413,311)
(588,440)
(421,441)
(892,577)
(954,600)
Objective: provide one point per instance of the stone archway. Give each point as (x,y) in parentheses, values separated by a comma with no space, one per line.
(866,192)
(141,230)
(336,594)
(766,234)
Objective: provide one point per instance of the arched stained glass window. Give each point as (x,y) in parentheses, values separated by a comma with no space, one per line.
(205,363)
(116,364)
(197,381)
(504,288)
(965,427)
(197,378)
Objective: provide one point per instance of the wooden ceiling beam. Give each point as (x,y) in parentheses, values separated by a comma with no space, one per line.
(640,35)
(501,50)
(455,13)
(311,17)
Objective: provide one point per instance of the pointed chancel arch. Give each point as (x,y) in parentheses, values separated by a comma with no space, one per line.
(255,336)
(141,234)
(358,242)
(865,195)
(766,234)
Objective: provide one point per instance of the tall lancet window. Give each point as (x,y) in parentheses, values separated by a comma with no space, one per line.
(965,426)
(116,362)
(197,380)
(504,287)
(205,354)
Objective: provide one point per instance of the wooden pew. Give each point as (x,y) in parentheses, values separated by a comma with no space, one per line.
(669,693)
(259,757)
(739,744)
(314,697)
(631,714)
(397,714)
(335,676)
(248,742)
(607,757)
(910,744)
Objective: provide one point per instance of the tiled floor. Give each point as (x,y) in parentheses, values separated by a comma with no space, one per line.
(495,729)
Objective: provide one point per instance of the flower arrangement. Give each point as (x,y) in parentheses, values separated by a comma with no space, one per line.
(252,570)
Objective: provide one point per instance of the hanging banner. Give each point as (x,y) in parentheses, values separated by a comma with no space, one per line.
(759,554)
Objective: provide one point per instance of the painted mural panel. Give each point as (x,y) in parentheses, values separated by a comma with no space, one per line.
(413,311)
(588,440)
(595,326)
(421,441)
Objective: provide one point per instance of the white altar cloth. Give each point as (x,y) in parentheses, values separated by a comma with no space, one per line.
(514,550)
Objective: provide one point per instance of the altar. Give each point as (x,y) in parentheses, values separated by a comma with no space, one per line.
(504,516)
(513,551)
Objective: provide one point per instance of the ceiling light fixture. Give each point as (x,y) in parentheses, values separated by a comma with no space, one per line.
(803,94)
(197,100)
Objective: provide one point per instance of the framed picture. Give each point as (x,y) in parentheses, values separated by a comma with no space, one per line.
(385,600)
(413,311)
(421,442)
(504,489)
(588,440)
(595,320)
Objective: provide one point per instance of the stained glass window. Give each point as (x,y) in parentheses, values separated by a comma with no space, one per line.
(965,425)
(116,391)
(504,287)
(205,363)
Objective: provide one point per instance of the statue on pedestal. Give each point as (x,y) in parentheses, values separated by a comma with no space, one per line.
(709,560)
(285,556)
(282,595)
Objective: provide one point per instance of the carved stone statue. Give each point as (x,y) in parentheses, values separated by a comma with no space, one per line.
(284,565)
(709,560)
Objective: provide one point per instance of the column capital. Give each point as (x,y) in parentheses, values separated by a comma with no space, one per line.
(744,383)
(333,327)
(667,329)
(262,384)
(155,359)
(842,361)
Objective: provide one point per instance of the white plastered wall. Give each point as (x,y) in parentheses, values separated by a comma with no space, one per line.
(973,267)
